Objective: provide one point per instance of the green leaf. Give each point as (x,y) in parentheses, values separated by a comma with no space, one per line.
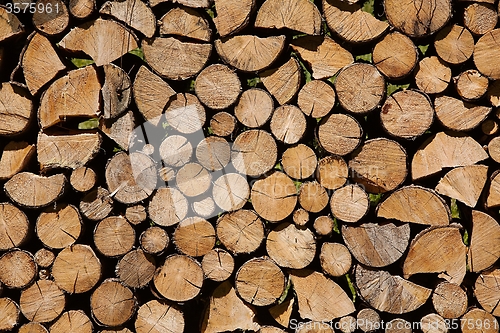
(137,52)
(351,287)
(306,72)
(455,212)
(369,7)
(423,48)
(117,150)
(333,78)
(89,124)
(253,82)
(365,57)
(297,185)
(336,226)
(278,167)
(391,88)
(79,63)
(465,237)
(191,85)
(326,29)
(374,198)
(299,35)
(210,131)
(210,12)
(285,292)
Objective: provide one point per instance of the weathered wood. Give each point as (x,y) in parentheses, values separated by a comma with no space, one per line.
(291,247)
(254,107)
(300,15)
(230,191)
(97,204)
(154,240)
(42,302)
(349,203)
(81,9)
(227,312)
(112,304)
(339,133)
(433,323)
(324,56)
(136,214)
(407,114)
(250,53)
(33,191)
(395,55)
(376,245)
(241,231)
(483,250)
(260,281)
(10,26)
(431,158)
(288,124)
(323,226)
(493,198)
(116,91)
(489,127)
(313,196)
(16,109)
(76,269)
(316,99)
(418,18)
(471,85)
(194,237)
(135,269)
(218,265)
(313,292)
(179,279)
(487,291)
(232,15)
(437,250)
(454,44)
(283,82)
(83,179)
(389,293)
(484,54)
(51,22)
(213,153)
(360,88)
(254,152)
(44,258)
(185,113)
(185,22)
(72,321)
(10,314)
(59,151)
(114,236)
(335,259)
(217,86)
(475,321)
(223,123)
(464,183)
(193,180)
(14,158)
(432,76)
(14,226)
(332,172)
(351,23)
(300,217)
(33,327)
(167,206)
(449,300)
(120,130)
(175,59)
(480,18)
(458,115)
(59,227)
(368,319)
(299,161)
(159,316)
(281,313)
(415,204)
(133,13)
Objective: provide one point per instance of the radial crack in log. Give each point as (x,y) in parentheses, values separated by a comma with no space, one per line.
(133,13)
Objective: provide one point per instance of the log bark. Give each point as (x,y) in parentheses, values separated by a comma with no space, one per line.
(250,53)
(33,191)
(395,55)
(194,237)
(360,88)
(415,204)
(461,150)
(274,197)
(316,99)
(444,253)
(103,40)
(135,269)
(254,107)
(335,259)
(312,301)
(254,152)
(159,316)
(58,151)
(407,114)
(379,165)
(432,75)
(291,247)
(351,23)
(154,240)
(324,56)
(483,250)
(42,302)
(14,227)
(135,14)
(260,281)
(464,183)
(218,265)
(112,304)
(389,293)
(174,59)
(288,124)
(76,269)
(458,115)
(217,86)
(449,300)
(301,16)
(339,134)
(418,18)
(223,124)
(376,245)
(114,236)
(179,279)
(241,231)
(349,203)
(283,82)
(60,227)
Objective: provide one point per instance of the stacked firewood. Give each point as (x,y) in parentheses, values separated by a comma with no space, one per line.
(249,166)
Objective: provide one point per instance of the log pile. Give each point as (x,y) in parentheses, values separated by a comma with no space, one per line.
(249,166)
